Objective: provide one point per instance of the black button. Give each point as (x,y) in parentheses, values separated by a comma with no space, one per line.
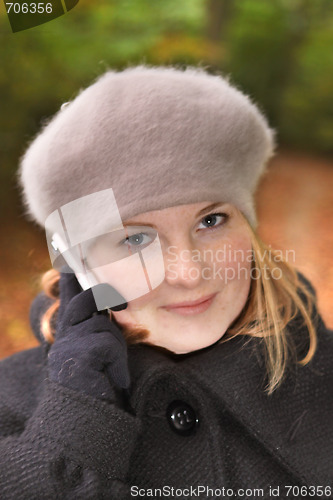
(182,418)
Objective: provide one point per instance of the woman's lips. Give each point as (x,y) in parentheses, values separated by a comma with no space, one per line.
(188,308)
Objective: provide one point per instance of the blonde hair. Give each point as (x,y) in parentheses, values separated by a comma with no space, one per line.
(271,305)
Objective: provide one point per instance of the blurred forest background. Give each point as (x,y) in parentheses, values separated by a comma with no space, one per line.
(277,51)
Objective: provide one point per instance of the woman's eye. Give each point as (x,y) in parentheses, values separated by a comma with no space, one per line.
(136,240)
(213,220)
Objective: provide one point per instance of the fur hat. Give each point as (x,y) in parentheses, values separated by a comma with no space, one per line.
(158,136)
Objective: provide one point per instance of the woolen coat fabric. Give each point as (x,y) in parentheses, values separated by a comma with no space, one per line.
(59,444)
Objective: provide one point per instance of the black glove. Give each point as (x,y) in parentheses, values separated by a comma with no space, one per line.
(89,353)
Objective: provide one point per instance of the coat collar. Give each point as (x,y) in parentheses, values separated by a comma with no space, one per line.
(294,423)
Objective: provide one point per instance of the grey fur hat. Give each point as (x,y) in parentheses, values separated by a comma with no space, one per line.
(158,136)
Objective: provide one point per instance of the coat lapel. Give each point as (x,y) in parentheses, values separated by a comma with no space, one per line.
(295,423)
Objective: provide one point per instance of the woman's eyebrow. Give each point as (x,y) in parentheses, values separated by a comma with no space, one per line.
(210,207)
(202,211)
(139,224)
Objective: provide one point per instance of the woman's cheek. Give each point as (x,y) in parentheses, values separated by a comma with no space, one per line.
(124,318)
(135,314)
(236,263)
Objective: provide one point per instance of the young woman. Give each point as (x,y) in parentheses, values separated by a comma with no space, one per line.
(180,356)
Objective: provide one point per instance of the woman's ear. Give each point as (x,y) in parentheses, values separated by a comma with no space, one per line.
(38,308)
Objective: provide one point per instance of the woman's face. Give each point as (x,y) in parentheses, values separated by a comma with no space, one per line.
(206,251)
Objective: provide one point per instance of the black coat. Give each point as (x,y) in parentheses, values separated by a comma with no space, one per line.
(201,420)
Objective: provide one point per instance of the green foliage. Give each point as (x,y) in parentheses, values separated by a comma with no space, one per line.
(307,109)
(257,41)
(280,52)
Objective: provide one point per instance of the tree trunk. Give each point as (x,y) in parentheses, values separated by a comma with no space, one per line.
(219,13)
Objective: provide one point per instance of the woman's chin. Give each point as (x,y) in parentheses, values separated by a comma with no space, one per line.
(194,342)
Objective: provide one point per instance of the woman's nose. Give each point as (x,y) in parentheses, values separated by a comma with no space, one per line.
(181,268)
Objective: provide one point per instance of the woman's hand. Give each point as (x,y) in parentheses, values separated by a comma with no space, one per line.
(89,353)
